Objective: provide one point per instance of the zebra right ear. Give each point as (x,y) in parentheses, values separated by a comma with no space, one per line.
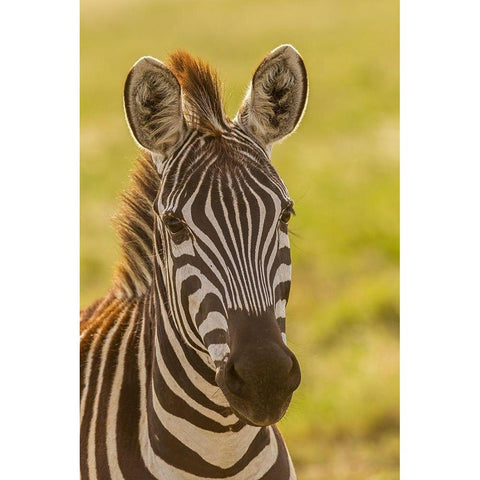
(275,102)
(153,106)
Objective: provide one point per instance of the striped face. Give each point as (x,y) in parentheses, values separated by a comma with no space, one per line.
(222,218)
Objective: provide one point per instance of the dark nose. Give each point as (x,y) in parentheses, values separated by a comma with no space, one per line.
(263,372)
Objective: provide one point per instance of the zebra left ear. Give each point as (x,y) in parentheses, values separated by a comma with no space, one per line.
(276,99)
(153,106)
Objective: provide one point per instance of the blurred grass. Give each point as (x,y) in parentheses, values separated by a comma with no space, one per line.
(341,168)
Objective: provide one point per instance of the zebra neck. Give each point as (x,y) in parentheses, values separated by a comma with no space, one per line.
(187,424)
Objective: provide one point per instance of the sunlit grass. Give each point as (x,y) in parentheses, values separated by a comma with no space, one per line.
(341,168)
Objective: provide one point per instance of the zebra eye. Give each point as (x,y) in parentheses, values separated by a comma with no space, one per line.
(173,224)
(287,215)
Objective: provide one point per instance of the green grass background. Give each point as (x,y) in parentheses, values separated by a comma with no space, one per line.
(341,168)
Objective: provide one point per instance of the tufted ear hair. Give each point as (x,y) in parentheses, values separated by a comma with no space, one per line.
(277,96)
(153,106)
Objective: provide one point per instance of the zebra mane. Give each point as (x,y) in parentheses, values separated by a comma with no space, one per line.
(201,91)
(134,224)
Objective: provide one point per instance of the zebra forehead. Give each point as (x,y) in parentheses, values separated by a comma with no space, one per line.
(227,174)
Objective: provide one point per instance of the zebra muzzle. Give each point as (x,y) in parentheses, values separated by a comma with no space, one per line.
(259,380)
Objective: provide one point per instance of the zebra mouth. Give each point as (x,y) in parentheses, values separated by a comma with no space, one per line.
(261,419)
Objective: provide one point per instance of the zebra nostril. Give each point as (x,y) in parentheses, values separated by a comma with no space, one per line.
(289,366)
(294,375)
(233,380)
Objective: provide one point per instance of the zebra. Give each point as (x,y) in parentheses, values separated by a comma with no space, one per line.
(184,365)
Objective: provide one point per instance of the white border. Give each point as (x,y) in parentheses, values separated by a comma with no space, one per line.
(440,240)
(40,239)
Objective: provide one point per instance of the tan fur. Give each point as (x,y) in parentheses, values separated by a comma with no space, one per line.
(134,224)
(202,93)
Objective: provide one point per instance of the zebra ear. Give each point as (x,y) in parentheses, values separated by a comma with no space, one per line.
(277,96)
(153,106)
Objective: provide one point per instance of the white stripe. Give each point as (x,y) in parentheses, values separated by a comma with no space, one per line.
(283,273)
(280,307)
(218,351)
(228,448)
(213,321)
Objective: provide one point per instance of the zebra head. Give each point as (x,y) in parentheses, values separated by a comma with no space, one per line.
(223,255)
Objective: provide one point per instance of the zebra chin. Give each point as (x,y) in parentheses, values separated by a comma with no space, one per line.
(252,416)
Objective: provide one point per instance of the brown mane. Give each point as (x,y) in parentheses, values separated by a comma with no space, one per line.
(201,91)
(134,225)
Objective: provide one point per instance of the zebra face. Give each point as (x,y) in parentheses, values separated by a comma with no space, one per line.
(222,215)
(226,260)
